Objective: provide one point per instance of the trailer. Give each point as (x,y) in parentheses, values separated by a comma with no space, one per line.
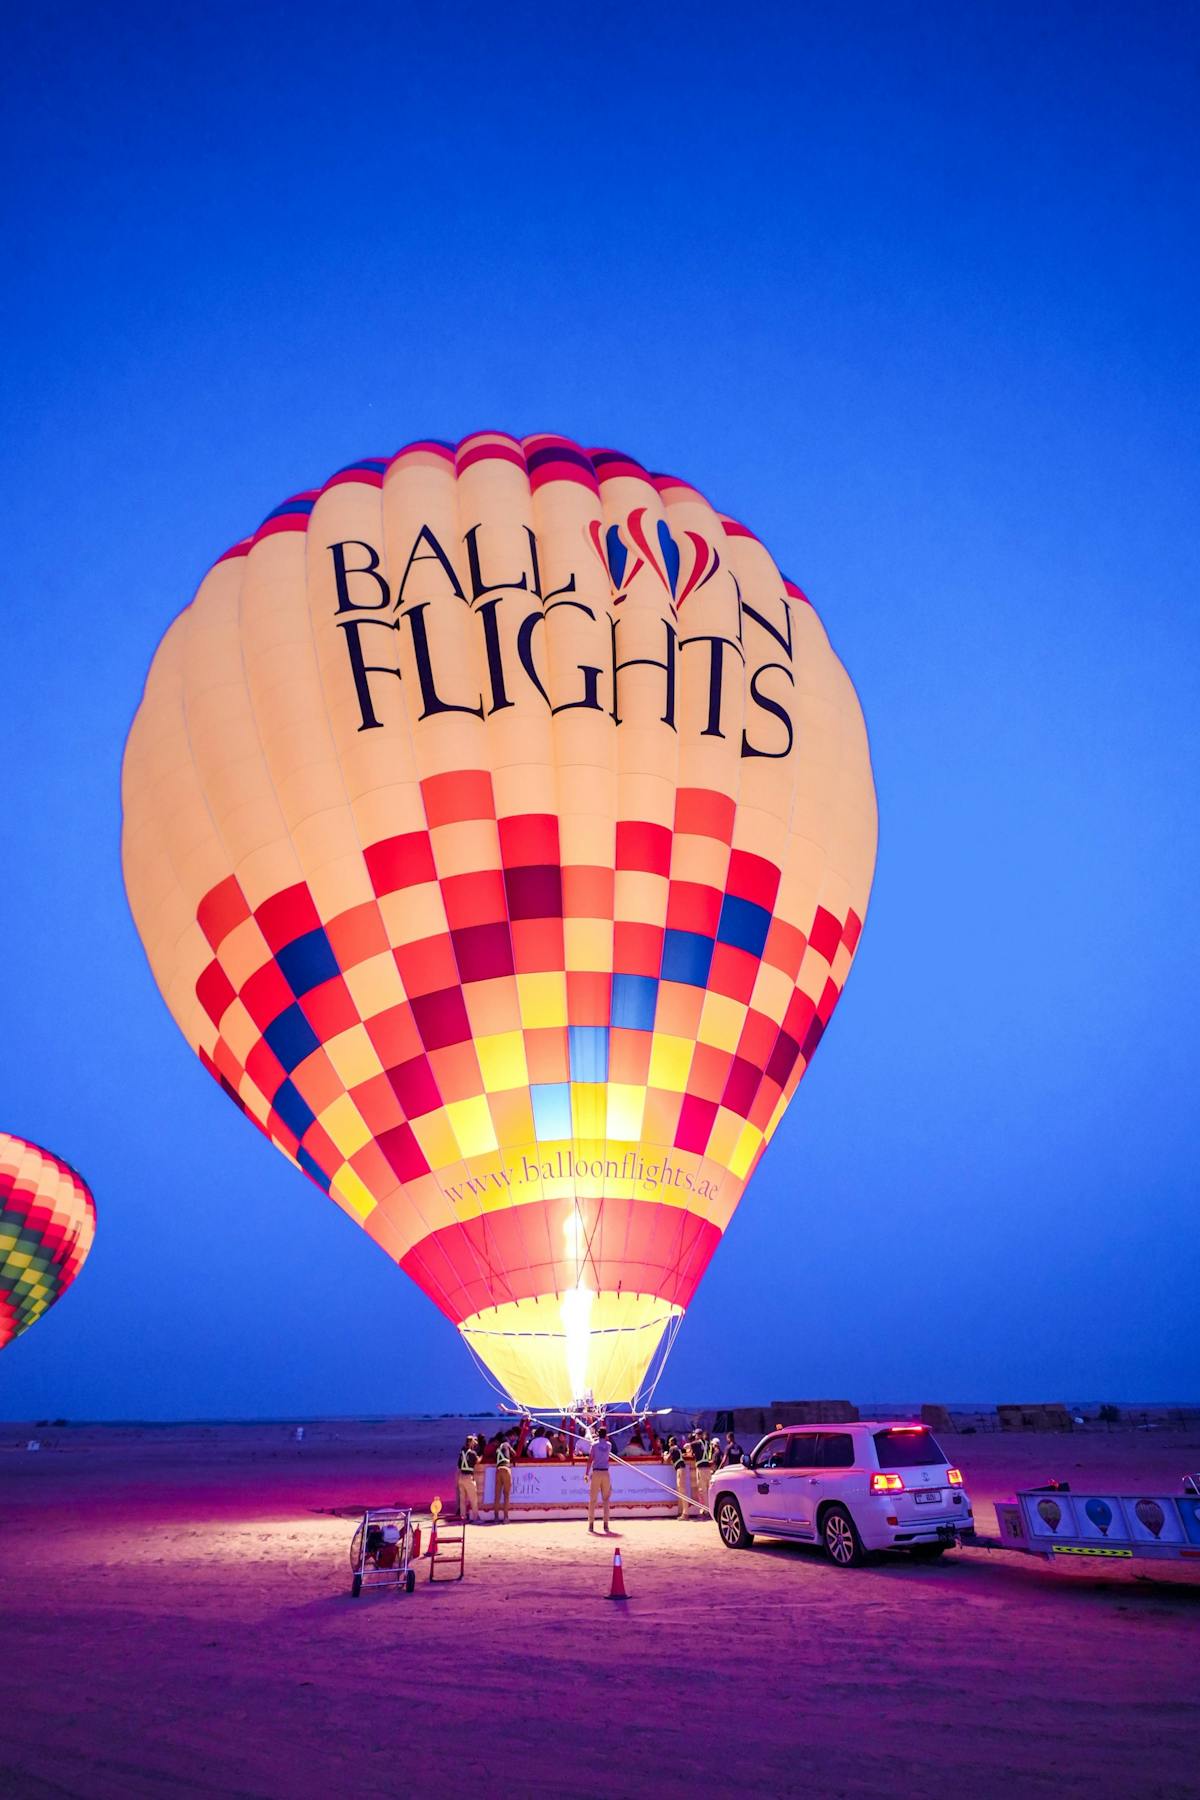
(383,1548)
(1053,1522)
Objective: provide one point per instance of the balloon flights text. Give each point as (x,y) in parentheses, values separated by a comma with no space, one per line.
(509,632)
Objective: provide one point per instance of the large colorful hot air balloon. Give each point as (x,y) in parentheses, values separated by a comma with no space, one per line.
(499,825)
(47,1223)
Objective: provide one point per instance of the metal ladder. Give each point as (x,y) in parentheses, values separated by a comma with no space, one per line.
(449,1548)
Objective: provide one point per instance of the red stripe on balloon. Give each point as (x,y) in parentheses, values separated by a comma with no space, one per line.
(638,1247)
(489,453)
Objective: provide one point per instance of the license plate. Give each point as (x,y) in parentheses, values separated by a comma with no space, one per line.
(927,1496)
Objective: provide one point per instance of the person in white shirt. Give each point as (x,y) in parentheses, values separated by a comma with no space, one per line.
(599,1479)
(538,1446)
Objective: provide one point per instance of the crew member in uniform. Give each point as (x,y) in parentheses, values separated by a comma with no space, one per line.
(704,1468)
(468,1492)
(503,1493)
(674,1455)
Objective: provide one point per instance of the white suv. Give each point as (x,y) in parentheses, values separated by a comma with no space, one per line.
(874,1485)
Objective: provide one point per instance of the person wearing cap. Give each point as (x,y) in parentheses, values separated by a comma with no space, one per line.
(468,1490)
(598,1476)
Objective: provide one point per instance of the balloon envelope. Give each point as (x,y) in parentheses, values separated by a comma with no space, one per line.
(499,825)
(47,1224)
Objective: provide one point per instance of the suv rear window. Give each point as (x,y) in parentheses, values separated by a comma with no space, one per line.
(905,1449)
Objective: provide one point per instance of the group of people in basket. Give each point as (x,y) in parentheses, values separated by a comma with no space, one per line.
(694,1459)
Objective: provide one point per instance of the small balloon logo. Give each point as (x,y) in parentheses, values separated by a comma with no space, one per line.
(1051,1512)
(1152,1516)
(1100,1513)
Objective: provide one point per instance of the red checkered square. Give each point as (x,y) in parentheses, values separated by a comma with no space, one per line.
(527,838)
(637,948)
(704,813)
(696,1118)
(414,1087)
(693,906)
(221,909)
(287,915)
(476,899)
(394,1034)
(538,945)
(483,952)
(400,862)
(441,1017)
(215,992)
(330,1008)
(403,1152)
(643,846)
(589,998)
(266,994)
(732,972)
(461,794)
(826,934)
(427,966)
(587,892)
(357,935)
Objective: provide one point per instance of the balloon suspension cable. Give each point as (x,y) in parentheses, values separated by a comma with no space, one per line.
(504,1395)
(658,1363)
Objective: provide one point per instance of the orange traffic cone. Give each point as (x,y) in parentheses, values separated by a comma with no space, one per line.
(617,1590)
(432,1551)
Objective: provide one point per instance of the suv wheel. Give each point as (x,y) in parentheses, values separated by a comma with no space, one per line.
(731,1524)
(842,1542)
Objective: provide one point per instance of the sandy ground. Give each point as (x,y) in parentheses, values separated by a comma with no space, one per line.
(175,1619)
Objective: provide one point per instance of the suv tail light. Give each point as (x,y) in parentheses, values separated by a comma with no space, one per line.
(954,1477)
(886,1484)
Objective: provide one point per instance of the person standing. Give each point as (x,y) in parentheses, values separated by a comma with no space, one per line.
(503,1493)
(468,1491)
(599,1477)
(704,1446)
(673,1454)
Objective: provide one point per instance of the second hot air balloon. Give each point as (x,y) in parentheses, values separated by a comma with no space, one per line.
(47,1224)
(499,825)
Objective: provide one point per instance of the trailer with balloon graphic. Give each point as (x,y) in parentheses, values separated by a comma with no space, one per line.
(1054,1522)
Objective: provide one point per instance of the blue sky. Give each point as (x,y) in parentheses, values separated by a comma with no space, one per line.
(914,291)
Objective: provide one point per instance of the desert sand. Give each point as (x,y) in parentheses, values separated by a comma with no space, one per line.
(175,1619)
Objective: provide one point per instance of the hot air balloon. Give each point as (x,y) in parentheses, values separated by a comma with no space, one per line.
(1100,1513)
(47,1223)
(1050,1512)
(1151,1515)
(499,825)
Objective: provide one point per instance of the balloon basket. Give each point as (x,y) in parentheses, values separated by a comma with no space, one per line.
(554,1490)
